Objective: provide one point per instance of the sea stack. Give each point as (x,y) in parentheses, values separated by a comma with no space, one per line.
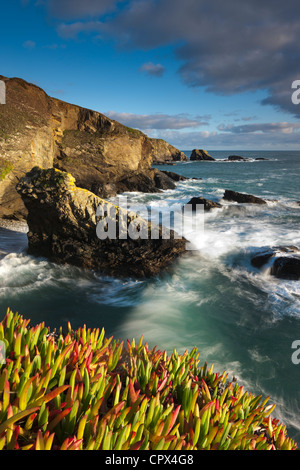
(201,155)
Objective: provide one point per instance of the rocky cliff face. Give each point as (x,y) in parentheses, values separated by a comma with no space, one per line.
(163,152)
(71,225)
(103,155)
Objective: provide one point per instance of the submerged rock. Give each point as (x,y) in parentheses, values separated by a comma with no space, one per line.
(68,224)
(242,198)
(283,261)
(207,203)
(201,155)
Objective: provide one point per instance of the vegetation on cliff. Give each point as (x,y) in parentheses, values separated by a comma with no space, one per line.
(5,168)
(81,390)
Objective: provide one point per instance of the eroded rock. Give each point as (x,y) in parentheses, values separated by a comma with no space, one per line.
(242,198)
(65,222)
(283,261)
(201,155)
(207,203)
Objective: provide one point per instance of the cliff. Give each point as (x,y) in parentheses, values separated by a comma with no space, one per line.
(103,155)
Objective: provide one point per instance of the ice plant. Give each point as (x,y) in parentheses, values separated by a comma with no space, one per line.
(82,390)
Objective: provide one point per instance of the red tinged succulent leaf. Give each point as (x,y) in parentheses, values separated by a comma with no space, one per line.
(46,398)
(13,419)
(132,393)
(137,445)
(58,419)
(163,383)
(174,418)
(115,410)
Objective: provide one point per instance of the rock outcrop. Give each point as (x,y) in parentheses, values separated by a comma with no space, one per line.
(283,261)
(164,153)
(242,198)
(201,155)
(68,224)
(102,154)
(207,203)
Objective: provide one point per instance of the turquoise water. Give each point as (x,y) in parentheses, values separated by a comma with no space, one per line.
(242,320)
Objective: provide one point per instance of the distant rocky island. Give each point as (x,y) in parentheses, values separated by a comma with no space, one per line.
(201,155)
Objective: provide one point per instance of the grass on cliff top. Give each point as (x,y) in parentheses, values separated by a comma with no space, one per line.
(81,390)
(5,168)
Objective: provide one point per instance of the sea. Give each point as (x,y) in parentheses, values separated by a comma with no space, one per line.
(242,320)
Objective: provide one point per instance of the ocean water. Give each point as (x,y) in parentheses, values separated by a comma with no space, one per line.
(241,319)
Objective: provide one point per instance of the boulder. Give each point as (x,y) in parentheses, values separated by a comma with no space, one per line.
(65,226)
(201,155)
(287,267)
(283,261)
(242,198)
(207,203)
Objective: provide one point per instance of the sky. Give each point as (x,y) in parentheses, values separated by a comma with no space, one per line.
(204,74)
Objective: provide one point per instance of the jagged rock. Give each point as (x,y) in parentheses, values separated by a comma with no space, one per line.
(242,198)
(175,176)
(64,223)
(207,203)
(200,155)
(284,261)
(36,129)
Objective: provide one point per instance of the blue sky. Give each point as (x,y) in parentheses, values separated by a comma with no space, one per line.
(198,73)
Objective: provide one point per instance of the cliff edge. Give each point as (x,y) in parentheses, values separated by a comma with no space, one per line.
(103,155)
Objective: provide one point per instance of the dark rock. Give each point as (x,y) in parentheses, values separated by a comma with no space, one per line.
(207,203)
(237,158)
(286,261)
(242,198)
(151,181)
(261,158)
(287,267)
(201,155)
(259,260)
(63,222)
(175,176)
